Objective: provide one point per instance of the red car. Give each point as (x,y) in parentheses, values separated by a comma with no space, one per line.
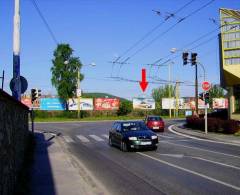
(155,123)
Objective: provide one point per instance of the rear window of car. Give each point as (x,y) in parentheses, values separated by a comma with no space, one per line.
(133,126)
(154,118)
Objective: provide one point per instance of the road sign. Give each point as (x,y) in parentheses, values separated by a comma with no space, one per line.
(206,85)
(24,84)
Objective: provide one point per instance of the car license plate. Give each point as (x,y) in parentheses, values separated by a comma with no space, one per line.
(155,127)
(145,143)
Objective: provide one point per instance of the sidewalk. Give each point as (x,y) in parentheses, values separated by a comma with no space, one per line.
(56,172)
(230,139)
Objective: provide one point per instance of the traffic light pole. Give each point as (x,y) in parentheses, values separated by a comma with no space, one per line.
(196,88)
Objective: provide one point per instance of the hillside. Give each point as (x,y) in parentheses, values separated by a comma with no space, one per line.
(101,95)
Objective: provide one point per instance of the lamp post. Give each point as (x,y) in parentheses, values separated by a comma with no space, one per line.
(79,94)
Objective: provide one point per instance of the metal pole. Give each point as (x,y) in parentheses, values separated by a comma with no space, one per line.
(206,124)
(2,79)
(16,51)
(78,95)
(196,88)
(169,91)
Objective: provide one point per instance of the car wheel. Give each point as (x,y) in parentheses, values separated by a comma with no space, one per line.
(124,146)
(110,141)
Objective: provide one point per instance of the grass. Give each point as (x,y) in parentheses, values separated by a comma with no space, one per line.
(101,118)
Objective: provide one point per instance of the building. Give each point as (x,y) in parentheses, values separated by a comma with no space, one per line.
(229,41)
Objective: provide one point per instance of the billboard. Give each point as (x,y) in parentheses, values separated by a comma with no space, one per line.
(27,101)
(84,104)
(143,103)
(220,103)
(183,103)
(52,104)
(106,103)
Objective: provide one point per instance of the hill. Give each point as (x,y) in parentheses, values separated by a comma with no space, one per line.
(101,95)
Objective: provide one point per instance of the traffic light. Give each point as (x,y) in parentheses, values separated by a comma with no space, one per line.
(194,58)
(185,58)
(206,97)
(34,94)
(201,96)
(39,93)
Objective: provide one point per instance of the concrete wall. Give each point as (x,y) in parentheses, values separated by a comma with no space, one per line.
(13,138)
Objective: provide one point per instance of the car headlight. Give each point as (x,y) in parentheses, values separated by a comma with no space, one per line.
(132,138)
(154,137)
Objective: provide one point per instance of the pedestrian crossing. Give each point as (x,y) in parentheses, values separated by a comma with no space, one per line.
(91,138)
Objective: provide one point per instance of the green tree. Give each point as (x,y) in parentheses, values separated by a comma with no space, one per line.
(65,71)
(162,92)
(124,108)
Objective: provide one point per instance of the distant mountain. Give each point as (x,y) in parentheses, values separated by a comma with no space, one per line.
(101,95)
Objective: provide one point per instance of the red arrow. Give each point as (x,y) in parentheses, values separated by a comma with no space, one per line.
(143,83)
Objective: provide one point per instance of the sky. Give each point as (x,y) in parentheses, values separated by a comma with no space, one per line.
(99,31)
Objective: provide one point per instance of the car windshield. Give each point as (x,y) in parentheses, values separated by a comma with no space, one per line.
(133,126)
(154,118)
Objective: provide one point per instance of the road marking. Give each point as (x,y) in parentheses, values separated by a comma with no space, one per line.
(173,155)
(164,136)
(218,163)
(99,139)
(231,155)
(68,139)
(196,138)
(190,171)
(82,138)
(105,135)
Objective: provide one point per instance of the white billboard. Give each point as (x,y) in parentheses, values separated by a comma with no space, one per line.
(220,103)
(144,103)
(84,104)
(170,103)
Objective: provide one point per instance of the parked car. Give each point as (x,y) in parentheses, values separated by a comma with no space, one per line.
(132,135)
(155,123)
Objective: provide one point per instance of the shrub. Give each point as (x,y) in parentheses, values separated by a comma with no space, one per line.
(214,124)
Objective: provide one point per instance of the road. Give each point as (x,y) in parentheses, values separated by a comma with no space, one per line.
(179,166)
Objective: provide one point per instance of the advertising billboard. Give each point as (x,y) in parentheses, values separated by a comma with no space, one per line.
(220,103)
(27,101)
(52,104)
(183,103)
(106,103)
(143,103)
(84,104)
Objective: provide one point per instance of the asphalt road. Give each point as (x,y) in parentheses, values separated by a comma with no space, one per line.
(179,166)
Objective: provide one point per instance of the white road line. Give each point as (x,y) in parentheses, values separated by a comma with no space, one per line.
(190,171)
(68,139)
(83,139)
(218,163)
(164,136)
(99,139)
(196,138)
(231,155)
(105,136)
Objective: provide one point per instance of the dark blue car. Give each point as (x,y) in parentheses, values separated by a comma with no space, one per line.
(132,135)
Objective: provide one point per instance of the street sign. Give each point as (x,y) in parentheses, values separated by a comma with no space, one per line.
(206,85)
(24,84)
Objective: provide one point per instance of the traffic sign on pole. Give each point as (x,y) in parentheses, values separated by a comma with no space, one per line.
(206,85)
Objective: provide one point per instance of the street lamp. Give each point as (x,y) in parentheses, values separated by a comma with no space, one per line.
(78,92)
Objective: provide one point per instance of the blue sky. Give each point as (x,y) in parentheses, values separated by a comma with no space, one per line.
(100,30)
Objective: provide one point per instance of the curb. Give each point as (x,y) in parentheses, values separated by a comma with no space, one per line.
(177,130)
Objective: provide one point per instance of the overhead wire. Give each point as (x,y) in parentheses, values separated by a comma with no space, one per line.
(152,30)
(169,29)
(34,2)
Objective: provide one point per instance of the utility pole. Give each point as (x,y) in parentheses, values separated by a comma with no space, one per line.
(177,97)
(169,89)
(16,52)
